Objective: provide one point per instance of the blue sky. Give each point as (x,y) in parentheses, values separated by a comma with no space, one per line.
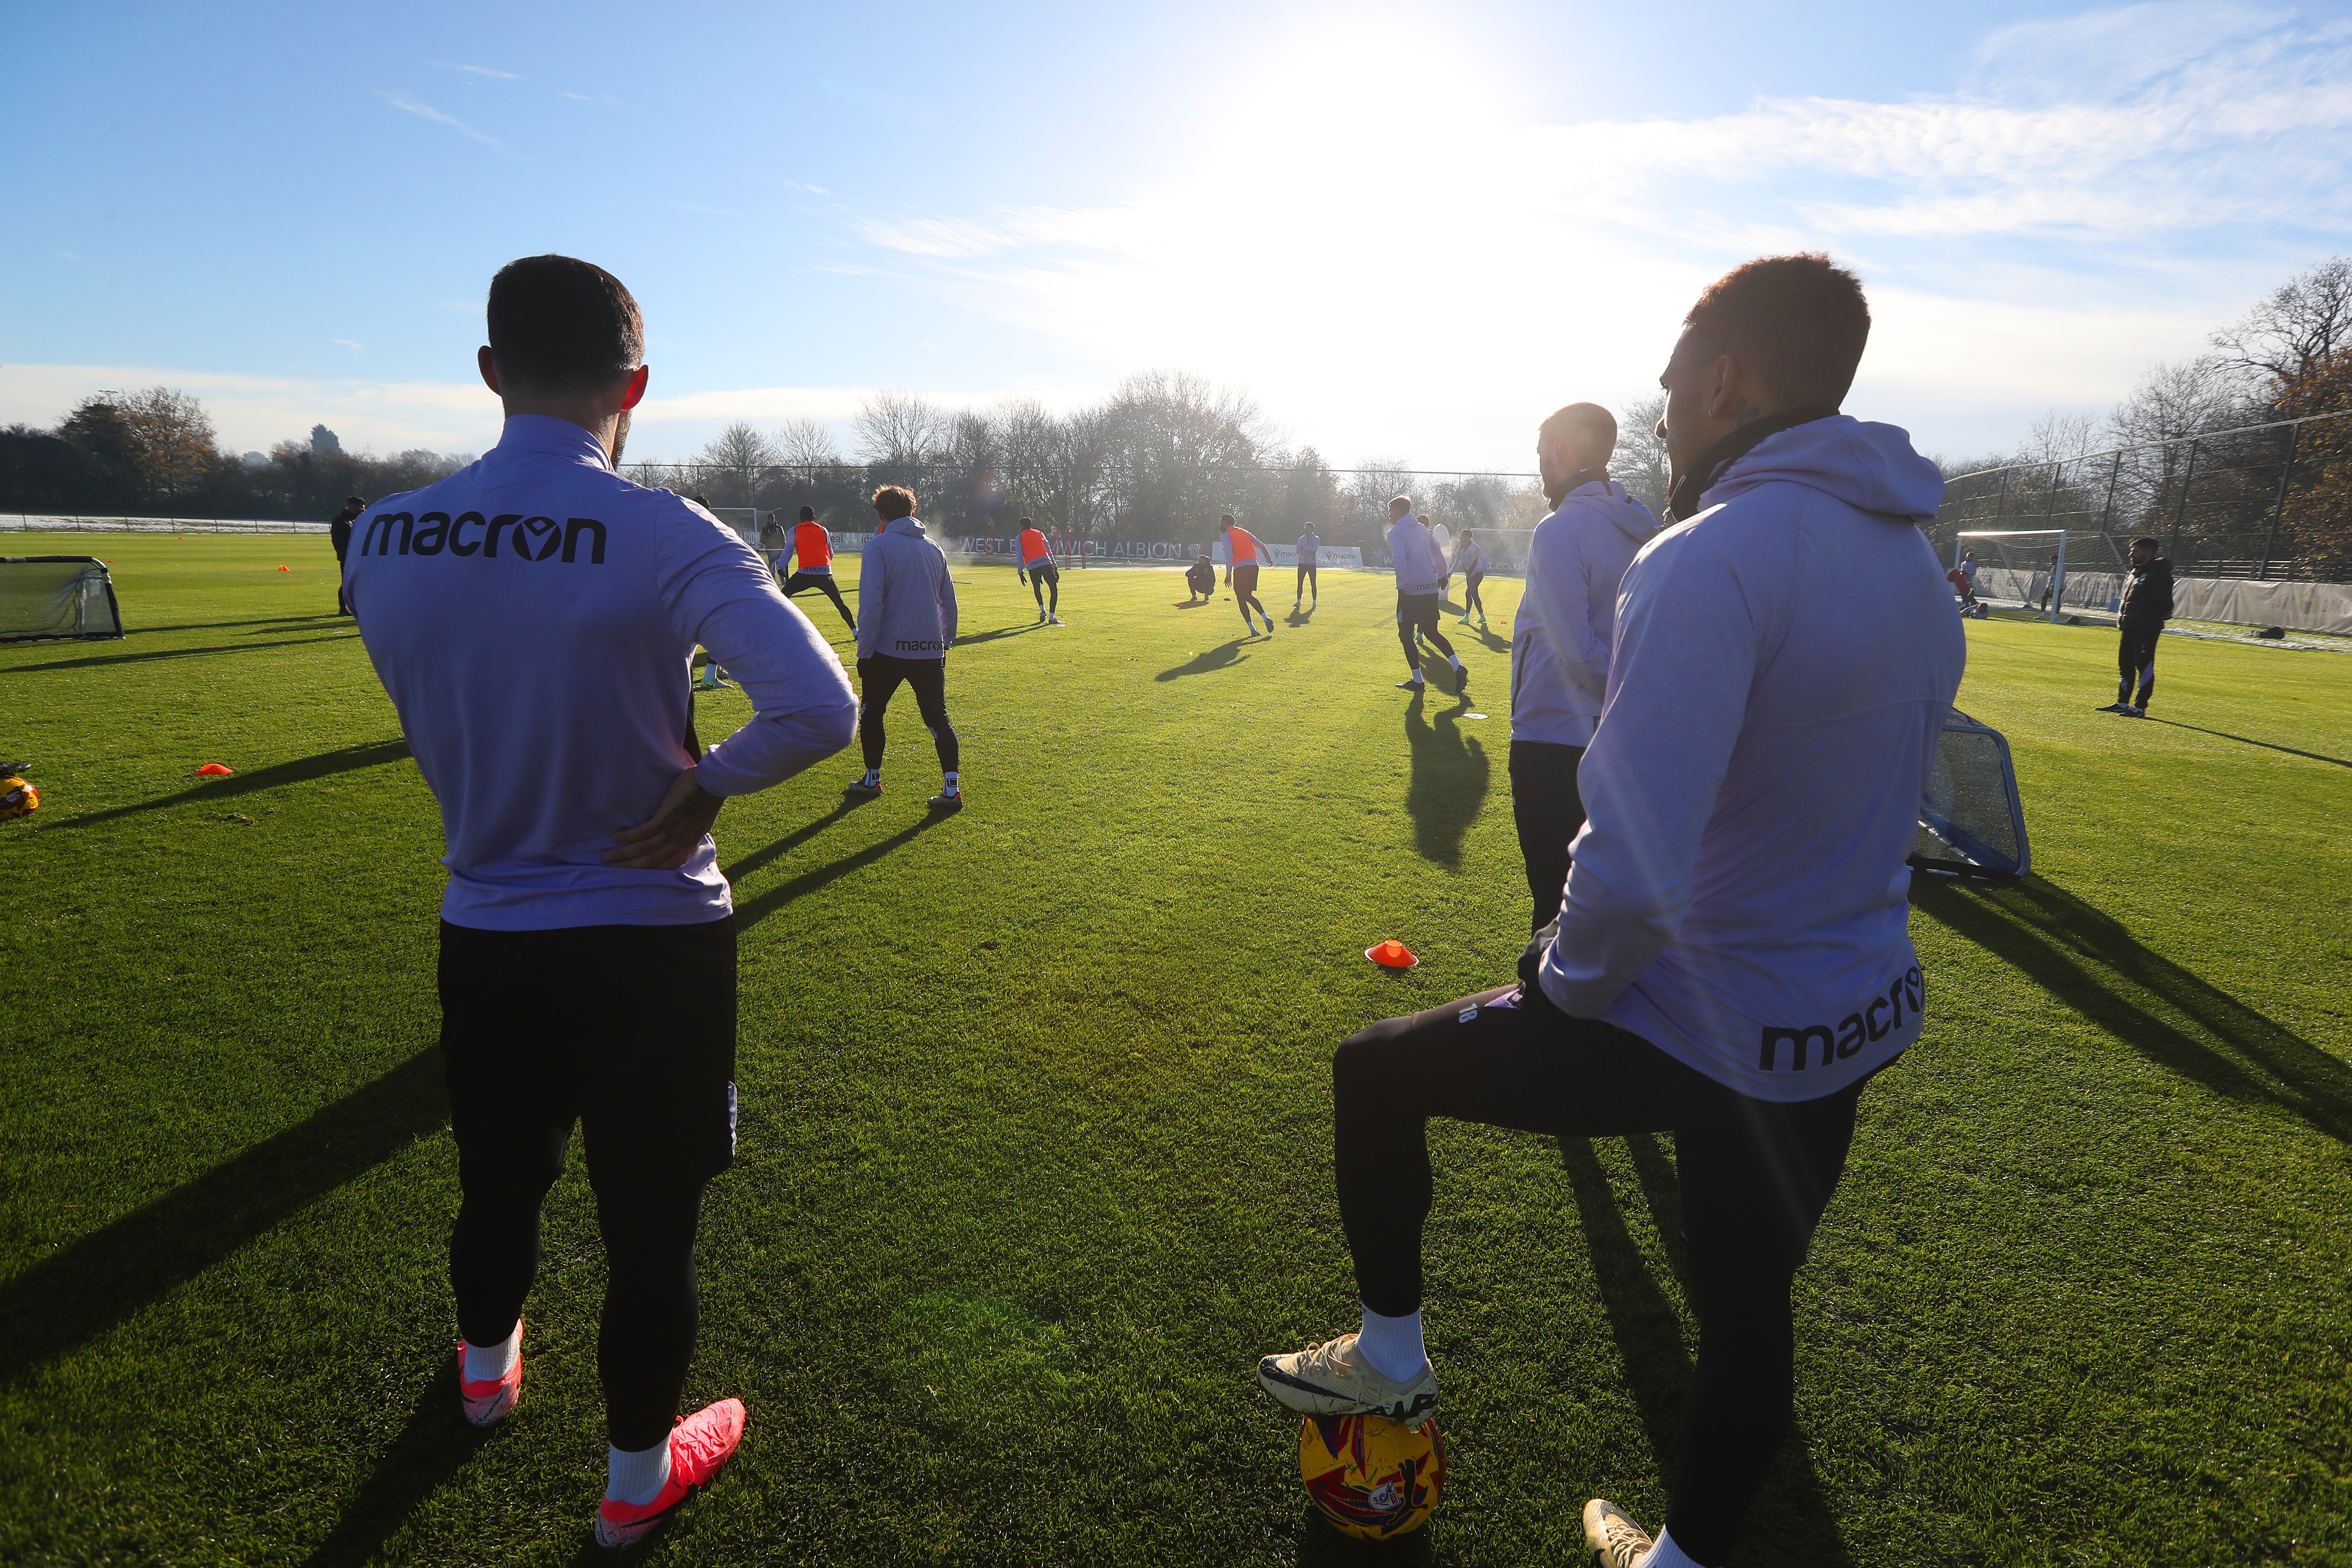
(1410,231)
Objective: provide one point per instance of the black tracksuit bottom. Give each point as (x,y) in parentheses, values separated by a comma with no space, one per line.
(2136,659)
(1754,1178)
(822,581)
(1548,811)
(629,1032)
(878,676)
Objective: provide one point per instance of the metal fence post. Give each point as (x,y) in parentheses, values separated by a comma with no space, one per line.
(2181,506)
(2057,477)
(2058,581)
(2286,477)
(2107,512)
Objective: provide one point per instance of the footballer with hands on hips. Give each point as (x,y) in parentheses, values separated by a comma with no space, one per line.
(533,619)
(1732,961)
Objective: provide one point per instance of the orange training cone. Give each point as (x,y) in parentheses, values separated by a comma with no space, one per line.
(1391,954)
(285,568)
(213,770)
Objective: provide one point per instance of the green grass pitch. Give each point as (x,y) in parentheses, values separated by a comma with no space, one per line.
(1034,1153)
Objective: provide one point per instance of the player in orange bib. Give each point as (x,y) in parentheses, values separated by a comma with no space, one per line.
(1034,564)
(1244,555)
(813,563)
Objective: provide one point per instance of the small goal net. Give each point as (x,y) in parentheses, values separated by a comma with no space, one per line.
(49,596)
(1972,823)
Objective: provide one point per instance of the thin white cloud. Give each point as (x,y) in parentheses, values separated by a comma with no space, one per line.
(812,190)
(479,70)
(347,343)
(591,98)
(408,105)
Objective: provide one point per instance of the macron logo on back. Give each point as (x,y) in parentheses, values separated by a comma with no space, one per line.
(526,538)
(1873,1020)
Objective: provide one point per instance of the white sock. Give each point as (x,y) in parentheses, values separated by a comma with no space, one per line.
(950,786)
(873,777)
(1665,1554)
(1392,1345)
(490,1363)
(636,1478)
(1456,659)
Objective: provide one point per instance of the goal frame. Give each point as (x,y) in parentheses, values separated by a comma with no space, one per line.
(2057,567)
(94,572)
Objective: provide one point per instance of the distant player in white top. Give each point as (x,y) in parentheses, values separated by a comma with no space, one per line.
(1732,960)
(1308,590)
(1470,565)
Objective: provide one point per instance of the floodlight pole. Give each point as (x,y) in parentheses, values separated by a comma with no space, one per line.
(2181,506)
(2286,477)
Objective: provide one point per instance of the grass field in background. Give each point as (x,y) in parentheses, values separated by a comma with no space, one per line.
(1034,1157)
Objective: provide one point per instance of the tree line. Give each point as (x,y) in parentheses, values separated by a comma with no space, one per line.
(2198,452)
(1161,458)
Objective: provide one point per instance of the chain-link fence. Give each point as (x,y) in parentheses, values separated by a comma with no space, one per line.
(2262,501)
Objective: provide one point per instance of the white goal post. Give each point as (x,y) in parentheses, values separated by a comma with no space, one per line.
(2044,553)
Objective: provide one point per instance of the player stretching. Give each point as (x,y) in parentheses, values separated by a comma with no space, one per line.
(1420,580)
(1036,566)
(813,563)
(1470,565)
(587,966)
(1308,587)
(1559,641)
(2147,604)
(1243,555)
(910,624)
(1732,963)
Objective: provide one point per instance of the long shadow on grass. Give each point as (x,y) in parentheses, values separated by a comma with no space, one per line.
(1790,1520)
(807,882)
(87,1287)
(1012,631)
(105,659)
(1225,656)
(2246,741)
(434,1445)
(349,759)
(2174,1019)
(1449,780)
(796,838)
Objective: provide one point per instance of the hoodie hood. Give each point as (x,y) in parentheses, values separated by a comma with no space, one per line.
(1871,468)
(1615,502)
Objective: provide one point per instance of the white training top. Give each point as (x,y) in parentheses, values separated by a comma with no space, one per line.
(1783,664)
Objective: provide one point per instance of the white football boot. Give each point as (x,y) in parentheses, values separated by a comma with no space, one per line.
(1332,1379)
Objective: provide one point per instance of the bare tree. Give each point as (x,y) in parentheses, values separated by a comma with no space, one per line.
(2302,323)
(1640,464)
(900,430)
(2056,436)
(804,444)
(174,436)
(735,464)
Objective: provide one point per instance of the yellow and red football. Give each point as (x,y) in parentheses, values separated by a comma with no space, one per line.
(1372,1477)
(18,798)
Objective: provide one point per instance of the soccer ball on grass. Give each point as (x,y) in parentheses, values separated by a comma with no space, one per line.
(1372,1477)
(18,798)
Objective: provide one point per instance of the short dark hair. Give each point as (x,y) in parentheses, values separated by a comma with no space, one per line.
(894,501)
(1224,522)
(559,324)
(1802,320)
(2150,540)
(1592,428)
(808,515)
(357,502)
(1028,523)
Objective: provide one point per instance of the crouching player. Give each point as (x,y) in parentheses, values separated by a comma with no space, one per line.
(1732,963)
(587,963)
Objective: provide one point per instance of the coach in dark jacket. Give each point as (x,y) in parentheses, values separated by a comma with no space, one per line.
(2147,604)
(339,534)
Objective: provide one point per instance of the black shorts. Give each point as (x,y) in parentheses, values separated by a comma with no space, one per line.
(1246,579)
(1045,572)
(627,1030)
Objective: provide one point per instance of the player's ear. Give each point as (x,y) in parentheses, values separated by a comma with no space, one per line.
(635,393)
(487,363)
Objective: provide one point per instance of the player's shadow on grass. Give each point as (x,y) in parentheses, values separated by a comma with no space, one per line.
(433,1445)
(1449,782)
(347,759)
(1000,632)
(1792,1519)
(796,837)
(2086,959)
(1321,1545)
(105,659)
(88,1285)
(1225,656)
(748,915)
(2248,740)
